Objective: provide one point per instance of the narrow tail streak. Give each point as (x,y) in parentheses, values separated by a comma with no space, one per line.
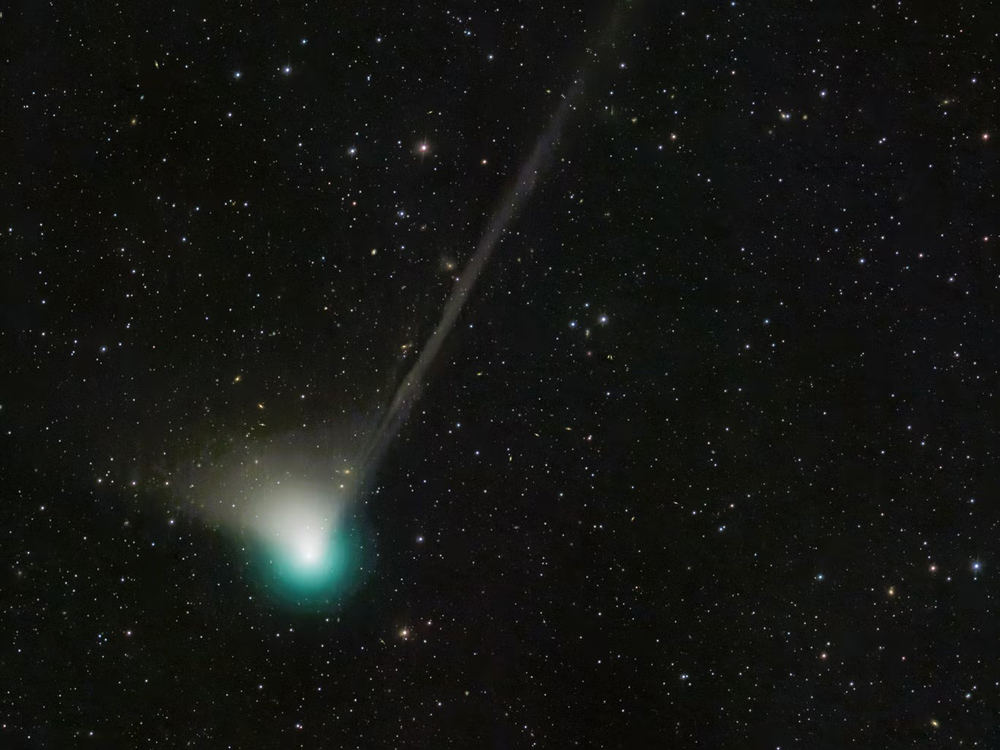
(527,179)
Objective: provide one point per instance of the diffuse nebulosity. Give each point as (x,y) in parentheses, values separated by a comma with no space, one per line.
(298,508)
(293,505)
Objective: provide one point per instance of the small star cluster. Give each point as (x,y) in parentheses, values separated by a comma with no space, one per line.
(705,461)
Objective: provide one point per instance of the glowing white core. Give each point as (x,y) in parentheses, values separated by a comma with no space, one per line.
(309,549)
(299,523)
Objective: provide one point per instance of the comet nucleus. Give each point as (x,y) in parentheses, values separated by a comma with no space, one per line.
(305,541)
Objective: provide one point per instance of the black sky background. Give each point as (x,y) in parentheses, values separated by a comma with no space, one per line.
(755,508)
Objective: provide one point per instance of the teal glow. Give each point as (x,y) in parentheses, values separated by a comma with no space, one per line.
(318,565)
(318,572)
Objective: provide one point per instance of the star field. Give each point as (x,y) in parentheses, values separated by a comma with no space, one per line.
(705,457)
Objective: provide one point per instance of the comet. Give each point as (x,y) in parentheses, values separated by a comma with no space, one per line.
(295,499)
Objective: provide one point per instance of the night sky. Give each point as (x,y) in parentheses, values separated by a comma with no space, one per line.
(707,456)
